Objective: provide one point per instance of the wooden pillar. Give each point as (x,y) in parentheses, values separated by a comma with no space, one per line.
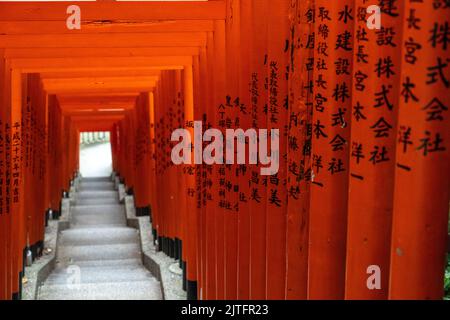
(192,214)
(372,156)
(219,95)
(231,203)
(258,190)
(3,214)
(277,109)
(244,171)
(15,179)
(419,228)
(330,148)
(301,53)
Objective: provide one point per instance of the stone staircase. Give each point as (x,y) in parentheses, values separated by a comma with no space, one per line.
(99,257)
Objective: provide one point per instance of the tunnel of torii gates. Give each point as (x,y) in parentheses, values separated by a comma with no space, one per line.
(362,187)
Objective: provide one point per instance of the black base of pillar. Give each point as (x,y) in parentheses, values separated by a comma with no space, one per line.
(40,248)
(166,246)
(34,253)
(155,236)
(191,290)
(15,296)
(24,257)
(47,217)
(183,267)
(160,243)
(177,249)
(180,247)
(150,214)
(55,215)
(20,285)
(142,212)
(171,248)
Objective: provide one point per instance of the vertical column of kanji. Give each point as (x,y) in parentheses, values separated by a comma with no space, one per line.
(200,172)
(172,174)
(168,203)
(3,221)
(41,191)
(46,154)
(243,170)
(165,203)
(419,235)
(158,163)
(30,207)
(138,170)
(231,203)
(207,205)
(51,176)
(301,50)
(219,70)
(15,118)
(152,192)
(211,180)
(180,187)
(162,160)
(277,65)
(29,101)
(7,176)
(258,189)
(146,136)
(192,213)
(331,132)
(372,155)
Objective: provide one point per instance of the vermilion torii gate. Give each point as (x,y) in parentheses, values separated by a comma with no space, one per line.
(362,189)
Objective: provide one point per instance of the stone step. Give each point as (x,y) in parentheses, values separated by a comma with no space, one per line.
(99,275)
(96,186)
(104,263)
(73,254)
(111,209)
(96,236)
(98,215)
(96,202)
(131,290)
(98,194)
(97,179)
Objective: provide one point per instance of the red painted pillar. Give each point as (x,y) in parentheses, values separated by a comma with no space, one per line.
(277,110)
(330,148)
(301,54)
(372,155)
(421,194)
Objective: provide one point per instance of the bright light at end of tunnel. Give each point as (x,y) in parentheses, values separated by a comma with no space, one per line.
(111,110)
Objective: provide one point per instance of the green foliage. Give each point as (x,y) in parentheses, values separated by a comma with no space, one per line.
(447,280)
